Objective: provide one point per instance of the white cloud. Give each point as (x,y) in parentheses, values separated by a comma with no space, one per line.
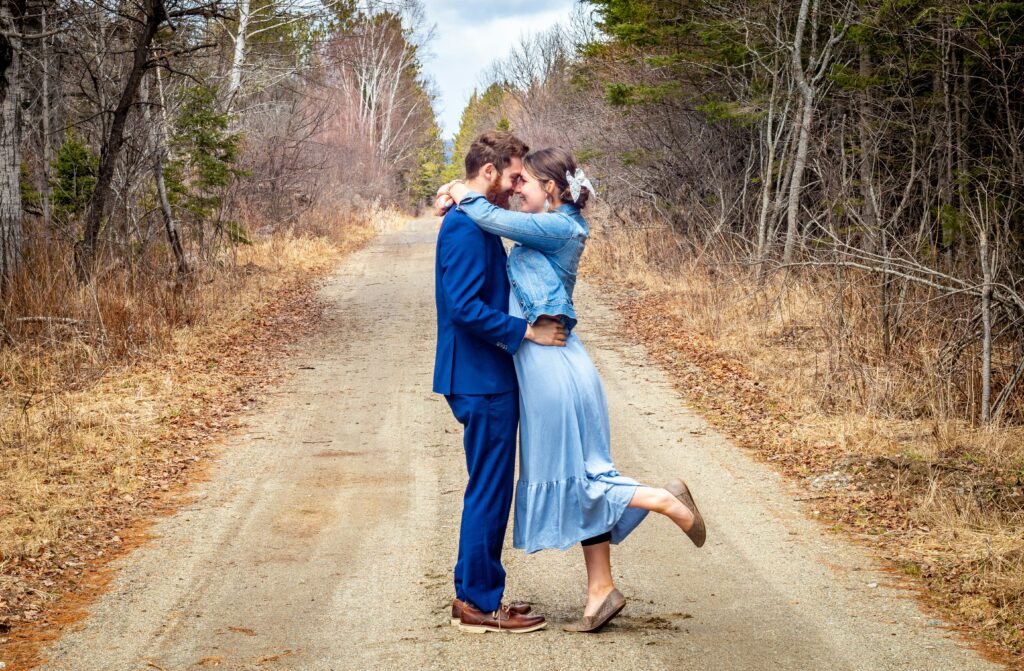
(472,35)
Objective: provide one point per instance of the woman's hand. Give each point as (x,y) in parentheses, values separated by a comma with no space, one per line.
(442,204)
(444,199)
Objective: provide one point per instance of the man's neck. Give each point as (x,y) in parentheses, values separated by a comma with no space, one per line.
(478,185)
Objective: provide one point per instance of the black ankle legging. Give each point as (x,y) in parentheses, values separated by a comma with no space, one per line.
(603,538)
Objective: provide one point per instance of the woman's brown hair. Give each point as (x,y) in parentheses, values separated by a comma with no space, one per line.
(552,163)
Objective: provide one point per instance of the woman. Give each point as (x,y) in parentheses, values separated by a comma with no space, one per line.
(568,490)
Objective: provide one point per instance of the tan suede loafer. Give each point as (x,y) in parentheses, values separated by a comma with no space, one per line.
(609,608)
(697,532)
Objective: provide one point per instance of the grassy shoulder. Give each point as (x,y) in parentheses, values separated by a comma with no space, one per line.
(793,371)
(93,447)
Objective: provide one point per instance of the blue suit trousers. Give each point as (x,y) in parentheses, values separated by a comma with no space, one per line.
(489,425)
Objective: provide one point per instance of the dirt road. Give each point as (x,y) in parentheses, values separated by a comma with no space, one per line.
(326,535)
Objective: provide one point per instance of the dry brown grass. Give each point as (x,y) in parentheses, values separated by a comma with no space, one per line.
(107,406)
(796,371)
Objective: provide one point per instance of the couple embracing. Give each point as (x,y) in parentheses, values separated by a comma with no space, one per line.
(507,357)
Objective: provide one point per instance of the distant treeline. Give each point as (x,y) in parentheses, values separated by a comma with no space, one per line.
(145,130)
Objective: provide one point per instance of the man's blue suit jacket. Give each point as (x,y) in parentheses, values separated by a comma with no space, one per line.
(476,337)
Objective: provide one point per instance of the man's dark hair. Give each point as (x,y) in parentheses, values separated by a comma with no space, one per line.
(493,146)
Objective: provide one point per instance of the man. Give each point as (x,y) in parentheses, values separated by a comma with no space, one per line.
(473,368)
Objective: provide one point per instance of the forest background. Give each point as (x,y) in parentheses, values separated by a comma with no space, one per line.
(812,212)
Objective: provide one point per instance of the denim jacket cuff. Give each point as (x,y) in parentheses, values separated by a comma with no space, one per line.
(472,195)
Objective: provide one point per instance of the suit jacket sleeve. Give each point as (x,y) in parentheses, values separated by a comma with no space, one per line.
(462,253)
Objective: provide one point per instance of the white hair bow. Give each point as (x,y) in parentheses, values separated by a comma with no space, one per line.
(577,182)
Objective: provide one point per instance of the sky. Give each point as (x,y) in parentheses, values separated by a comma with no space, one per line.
(470,35)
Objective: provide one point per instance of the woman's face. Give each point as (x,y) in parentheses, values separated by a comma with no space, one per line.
(531,192)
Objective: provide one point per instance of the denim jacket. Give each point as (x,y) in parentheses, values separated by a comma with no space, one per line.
(542,264)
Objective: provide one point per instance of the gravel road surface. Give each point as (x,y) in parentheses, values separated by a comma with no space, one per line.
(325,536)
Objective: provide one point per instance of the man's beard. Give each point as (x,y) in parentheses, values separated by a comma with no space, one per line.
(498,196)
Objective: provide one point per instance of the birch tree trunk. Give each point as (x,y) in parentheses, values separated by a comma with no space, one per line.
(804,130)
(808,83)
(47,140)
(238,60)
(771,135)
(796,185)
(10,145)
(159,150)
(379,65)
(986,325)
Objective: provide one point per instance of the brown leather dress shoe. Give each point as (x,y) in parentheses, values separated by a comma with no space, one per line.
(479,622)
(517,607)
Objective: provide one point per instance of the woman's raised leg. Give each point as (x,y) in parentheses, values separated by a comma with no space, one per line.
(660,500)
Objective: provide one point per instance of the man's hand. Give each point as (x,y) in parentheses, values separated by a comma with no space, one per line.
(546,331)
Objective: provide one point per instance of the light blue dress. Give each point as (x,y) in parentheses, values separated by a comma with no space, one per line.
(568,489)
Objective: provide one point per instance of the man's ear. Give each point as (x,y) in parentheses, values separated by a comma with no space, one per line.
(489,171)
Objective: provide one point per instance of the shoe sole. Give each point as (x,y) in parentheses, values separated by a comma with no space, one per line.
(455,621)
(599,627)
(609,618)
(483,629)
